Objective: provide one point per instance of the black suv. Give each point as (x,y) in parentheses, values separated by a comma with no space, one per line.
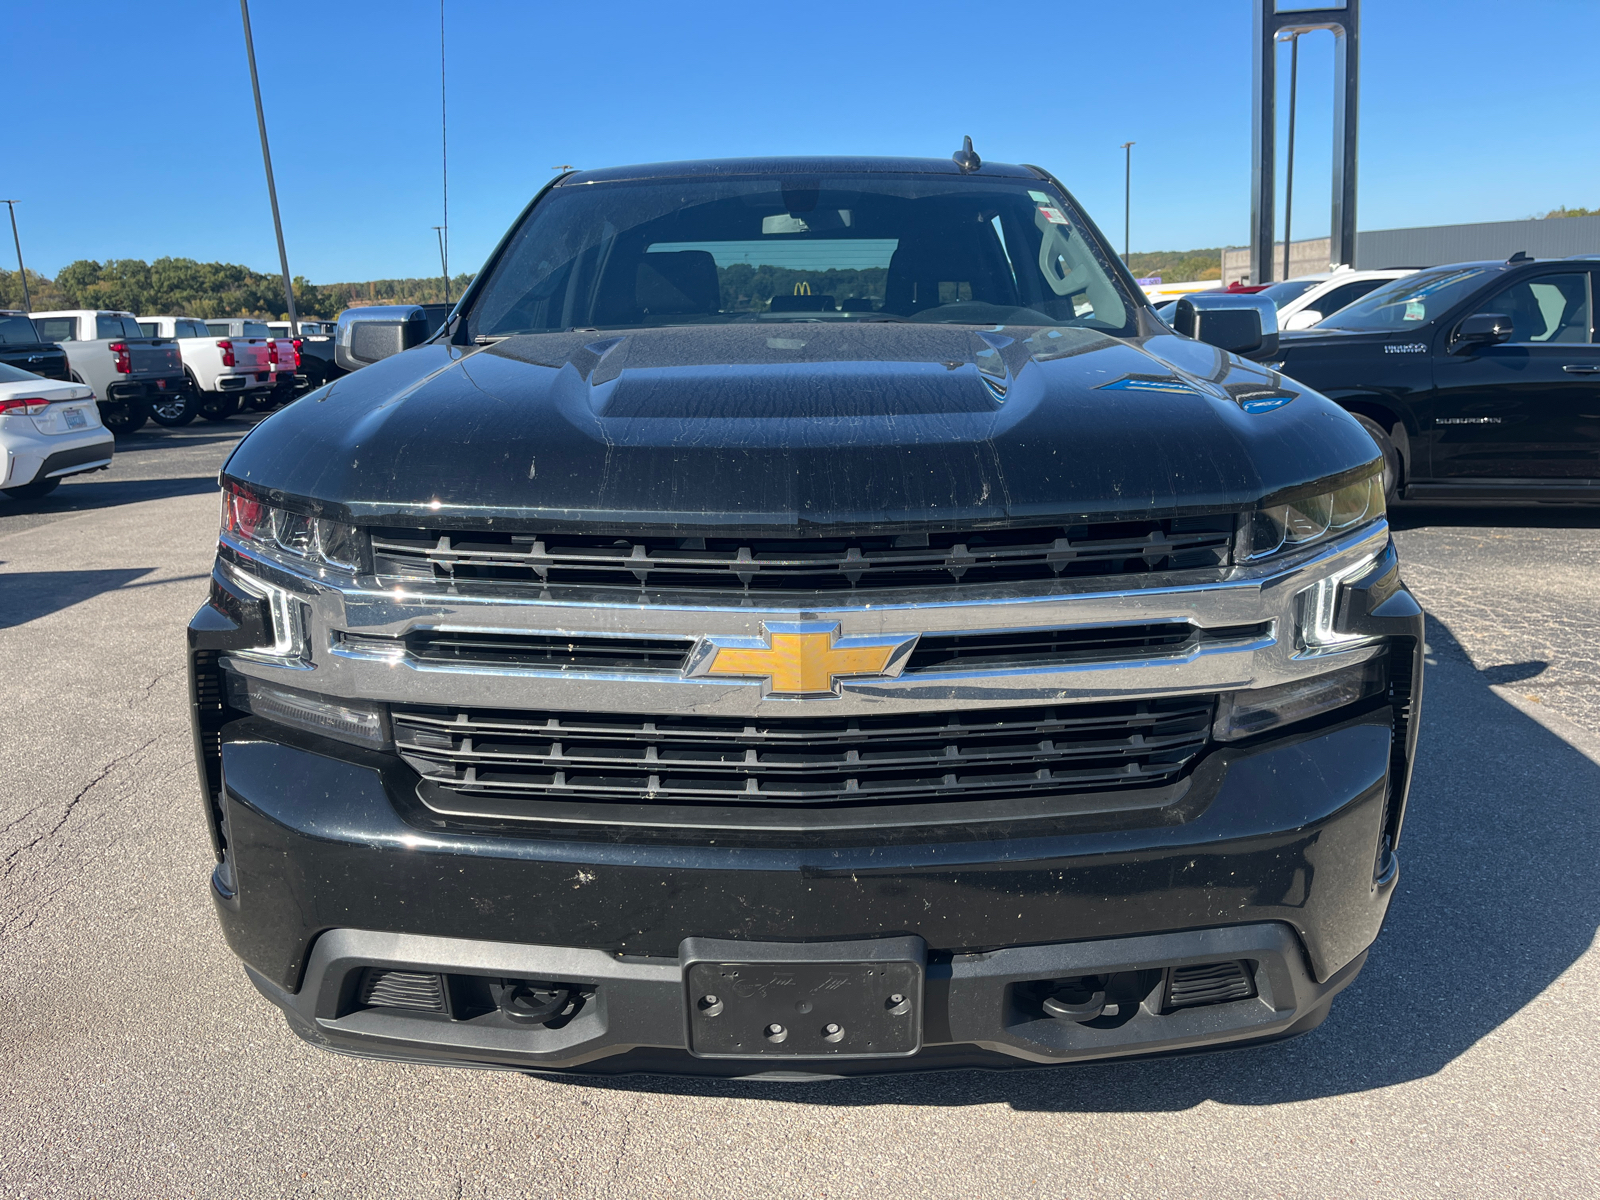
(804,616)
(1478,380)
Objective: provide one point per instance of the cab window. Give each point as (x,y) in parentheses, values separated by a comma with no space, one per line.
(57,329)
(218,328)
(1546,308)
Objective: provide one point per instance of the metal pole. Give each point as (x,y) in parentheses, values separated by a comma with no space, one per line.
(21,270)
(266,158)
(1288,179)
(439,230)
(444,163)
(1127,196)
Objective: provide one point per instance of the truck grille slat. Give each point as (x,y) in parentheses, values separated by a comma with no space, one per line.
(903,758)
(766,564)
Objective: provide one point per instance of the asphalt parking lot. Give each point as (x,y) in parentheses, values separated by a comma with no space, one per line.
(137,1060)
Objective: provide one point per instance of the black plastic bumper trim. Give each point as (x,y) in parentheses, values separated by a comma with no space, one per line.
(636,1014)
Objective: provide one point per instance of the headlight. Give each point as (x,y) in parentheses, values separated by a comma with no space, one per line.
(1244,714)
(1279,527)
(315,539)
(347,720)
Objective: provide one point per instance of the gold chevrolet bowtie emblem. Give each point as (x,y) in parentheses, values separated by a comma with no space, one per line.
(805,658)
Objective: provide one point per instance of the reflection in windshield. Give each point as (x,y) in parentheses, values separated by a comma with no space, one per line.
(830,248)
(1409,302)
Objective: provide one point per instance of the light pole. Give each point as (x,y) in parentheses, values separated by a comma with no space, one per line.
(1127,196)
(444,265)
(266,158)
(21,270)
(444,166)
(1293,38)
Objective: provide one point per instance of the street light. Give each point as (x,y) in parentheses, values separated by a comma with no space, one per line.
(266,158)
(1127,196)
(21,270)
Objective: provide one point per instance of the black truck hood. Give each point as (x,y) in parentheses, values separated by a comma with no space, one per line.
(793,425)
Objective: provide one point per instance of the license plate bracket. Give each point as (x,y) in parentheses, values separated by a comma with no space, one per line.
(812,1000)
(75,419)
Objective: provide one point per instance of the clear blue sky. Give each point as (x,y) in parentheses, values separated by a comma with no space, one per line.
(132,134)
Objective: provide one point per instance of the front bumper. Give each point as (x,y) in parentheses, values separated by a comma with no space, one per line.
(329,864)
(978,1010)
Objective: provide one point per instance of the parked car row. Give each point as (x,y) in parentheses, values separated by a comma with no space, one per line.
(170,369)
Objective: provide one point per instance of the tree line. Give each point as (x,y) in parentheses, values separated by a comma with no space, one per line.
(185,287)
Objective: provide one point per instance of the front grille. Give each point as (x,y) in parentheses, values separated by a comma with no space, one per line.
(934,651)
(1209,983)
(819,564)
(899,759)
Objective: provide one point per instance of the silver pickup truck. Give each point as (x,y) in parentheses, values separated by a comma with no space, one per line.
(109,353)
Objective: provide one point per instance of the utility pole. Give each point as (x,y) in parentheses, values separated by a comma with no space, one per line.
(266,158)
(443,265)
(444,165)
(1127,196)
(21,270)
(1293,38)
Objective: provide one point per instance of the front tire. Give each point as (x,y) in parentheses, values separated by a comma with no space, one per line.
(122,418)
(33,491)
(1391,456)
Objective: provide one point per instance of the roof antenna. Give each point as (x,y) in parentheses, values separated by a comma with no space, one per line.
(1520,256)
(967,158)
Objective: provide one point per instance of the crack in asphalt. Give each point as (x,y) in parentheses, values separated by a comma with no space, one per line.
(12,856)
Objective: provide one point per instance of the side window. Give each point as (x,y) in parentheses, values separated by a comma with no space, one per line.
(1348,294)
(57,329)
(1545,308)
(149,329)
(217,328)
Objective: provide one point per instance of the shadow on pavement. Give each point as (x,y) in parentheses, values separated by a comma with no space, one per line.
(1499,894)
(82,497)
(28,595)
(1413,514)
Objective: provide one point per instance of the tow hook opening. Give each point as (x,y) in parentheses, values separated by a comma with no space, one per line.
(531,1001)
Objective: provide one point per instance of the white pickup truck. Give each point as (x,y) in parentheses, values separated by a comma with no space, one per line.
(220,369)
(108,353)
(246,335)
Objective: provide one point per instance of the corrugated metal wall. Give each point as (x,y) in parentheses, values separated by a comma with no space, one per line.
(1552,237)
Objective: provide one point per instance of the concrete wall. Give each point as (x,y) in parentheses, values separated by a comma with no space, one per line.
(1305,258)
(1431,245)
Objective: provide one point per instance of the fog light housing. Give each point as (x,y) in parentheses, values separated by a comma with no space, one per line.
(1245,714)
(347,720)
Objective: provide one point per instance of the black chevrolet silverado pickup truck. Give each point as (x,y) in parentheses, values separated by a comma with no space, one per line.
(1479,380)
(805,617)
(21,347)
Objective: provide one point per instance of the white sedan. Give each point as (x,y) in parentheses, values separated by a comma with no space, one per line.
(48,430)
(1305,300)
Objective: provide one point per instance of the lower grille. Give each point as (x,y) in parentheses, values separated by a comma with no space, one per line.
(1209,983)
(401,989)
(899,759)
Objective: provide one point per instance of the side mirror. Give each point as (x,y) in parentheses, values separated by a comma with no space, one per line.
(1304,319)
(367,334)
(1481,329)
(1240,324)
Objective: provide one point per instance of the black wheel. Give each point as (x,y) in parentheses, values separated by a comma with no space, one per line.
(174,410)
(122,418)
(34,490)
(218,406)
(1391,456)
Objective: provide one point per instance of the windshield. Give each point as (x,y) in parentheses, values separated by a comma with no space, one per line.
(1409,302)
(17,330)
(1290,289)
(830,248)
